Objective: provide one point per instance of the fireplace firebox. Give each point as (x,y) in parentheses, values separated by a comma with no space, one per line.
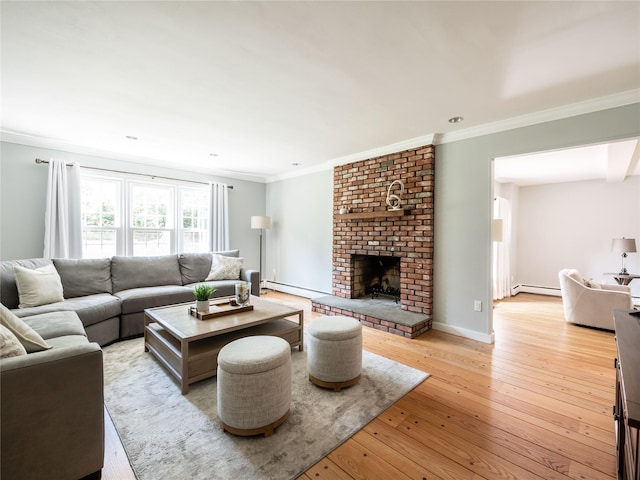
(376,276)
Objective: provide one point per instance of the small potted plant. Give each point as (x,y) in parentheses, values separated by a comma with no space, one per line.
(202,293)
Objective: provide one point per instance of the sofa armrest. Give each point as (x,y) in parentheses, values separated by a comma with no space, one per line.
(52,413)
(252,276)
(616,288)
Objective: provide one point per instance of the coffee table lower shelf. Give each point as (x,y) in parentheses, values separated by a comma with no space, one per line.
(199,360)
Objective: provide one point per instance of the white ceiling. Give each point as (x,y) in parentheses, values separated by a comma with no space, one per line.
(264,85)
(611,162)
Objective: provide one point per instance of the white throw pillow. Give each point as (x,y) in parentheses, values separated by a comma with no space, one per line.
(38,286)
(591,283)
(10,346)
(224,268)
(28,337)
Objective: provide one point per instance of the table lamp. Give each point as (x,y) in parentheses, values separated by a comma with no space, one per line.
(623,246)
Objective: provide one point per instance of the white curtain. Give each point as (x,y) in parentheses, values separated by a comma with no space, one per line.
(219,217)
(501,271)
(63,218)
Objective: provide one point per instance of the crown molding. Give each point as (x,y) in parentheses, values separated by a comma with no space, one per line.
(601,103)
(356,157)
(566,111)
(32,141)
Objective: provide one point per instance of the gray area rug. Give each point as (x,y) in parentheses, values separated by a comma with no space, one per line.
(168,435)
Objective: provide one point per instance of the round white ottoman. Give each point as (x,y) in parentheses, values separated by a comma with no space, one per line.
(254,385)
(334,351)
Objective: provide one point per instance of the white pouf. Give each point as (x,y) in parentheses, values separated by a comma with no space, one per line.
(254,385)
(334,351)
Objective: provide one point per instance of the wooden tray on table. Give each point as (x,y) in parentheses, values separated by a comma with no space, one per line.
(220,308)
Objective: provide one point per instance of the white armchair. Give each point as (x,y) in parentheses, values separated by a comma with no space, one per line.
(588,303)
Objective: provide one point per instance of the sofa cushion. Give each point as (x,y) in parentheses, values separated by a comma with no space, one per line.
(194,267)
(94,309)
(28,337)
(38,286)
(91,309)
(68,341)
(10,346)
(137,299)
(86,276)
(56,324)
(8,288)
(136,272)
(224,268)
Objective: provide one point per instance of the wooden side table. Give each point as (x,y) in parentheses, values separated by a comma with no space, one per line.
(623,279)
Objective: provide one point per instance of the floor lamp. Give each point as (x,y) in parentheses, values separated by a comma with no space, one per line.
(259,222)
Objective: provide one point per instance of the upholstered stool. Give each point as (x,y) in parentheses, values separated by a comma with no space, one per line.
(334,351)
(254,385)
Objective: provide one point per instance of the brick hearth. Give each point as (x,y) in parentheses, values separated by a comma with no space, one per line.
(370,229)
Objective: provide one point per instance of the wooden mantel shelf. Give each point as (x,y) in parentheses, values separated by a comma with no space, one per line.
(378,214)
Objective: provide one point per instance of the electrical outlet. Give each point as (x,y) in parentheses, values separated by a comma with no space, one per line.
(477,305)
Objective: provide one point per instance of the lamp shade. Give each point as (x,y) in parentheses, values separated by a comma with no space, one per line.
(260,222)
(623,245)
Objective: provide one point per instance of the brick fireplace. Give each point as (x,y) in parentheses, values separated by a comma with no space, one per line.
(368,228)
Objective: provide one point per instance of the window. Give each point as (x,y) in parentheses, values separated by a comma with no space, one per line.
(127,217)
(151,220)
(194,211)
(101,217)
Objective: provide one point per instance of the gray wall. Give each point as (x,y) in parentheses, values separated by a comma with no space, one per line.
(22,199)
(300,240)
(299,245)
(463,205)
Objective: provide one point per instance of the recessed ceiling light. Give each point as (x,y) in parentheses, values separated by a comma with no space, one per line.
(131,137)
(455,119)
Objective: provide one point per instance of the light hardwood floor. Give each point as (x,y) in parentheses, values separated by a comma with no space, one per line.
(537,404)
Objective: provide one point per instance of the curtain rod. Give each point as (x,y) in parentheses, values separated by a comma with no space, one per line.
(39,161)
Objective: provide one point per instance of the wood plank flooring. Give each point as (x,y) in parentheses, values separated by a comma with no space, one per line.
(537,404)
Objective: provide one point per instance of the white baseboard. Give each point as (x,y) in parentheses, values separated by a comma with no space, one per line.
(551,291)
(463,332)
(290,289)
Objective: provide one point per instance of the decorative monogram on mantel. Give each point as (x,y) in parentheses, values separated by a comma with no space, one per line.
(395,201)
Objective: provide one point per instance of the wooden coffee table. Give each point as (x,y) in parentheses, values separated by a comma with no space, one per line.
(188,347)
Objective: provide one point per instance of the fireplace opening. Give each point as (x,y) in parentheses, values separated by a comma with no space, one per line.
(376,276)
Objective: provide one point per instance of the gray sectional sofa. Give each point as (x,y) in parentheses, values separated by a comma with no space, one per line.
(52,404)
(110,295)
(51,399)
